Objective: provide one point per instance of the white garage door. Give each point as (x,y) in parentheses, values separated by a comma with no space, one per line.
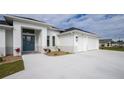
(92,43)
(84,44)
(80,44)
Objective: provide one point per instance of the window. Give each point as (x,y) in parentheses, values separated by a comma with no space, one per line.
(28,31)
(53,38)
(48,41)
(76,38)
(29,38)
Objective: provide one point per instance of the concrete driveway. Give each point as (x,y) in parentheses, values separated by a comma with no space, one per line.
(92,64)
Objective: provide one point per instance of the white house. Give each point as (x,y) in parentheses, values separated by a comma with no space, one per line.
(31,35)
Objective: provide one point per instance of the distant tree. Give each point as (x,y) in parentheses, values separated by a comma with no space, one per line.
(120,42)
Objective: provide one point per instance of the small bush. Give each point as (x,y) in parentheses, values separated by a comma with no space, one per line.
(45,49)
(1,59)
(49,51)
(59,49)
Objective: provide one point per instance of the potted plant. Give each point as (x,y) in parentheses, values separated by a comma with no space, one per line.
(17,50)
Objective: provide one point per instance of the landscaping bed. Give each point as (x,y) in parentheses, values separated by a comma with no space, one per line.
(57,53)
(10,65)
(9,59)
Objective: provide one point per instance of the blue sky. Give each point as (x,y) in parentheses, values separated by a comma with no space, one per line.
(105,25)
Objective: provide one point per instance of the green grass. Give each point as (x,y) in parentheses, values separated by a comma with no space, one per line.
(11,68)
(114,48)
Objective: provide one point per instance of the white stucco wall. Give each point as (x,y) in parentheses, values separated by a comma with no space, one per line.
(9,42)
(38,40)
(17,34)
(57,41)
(2,43)
(67,42)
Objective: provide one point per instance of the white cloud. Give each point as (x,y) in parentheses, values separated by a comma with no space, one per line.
(55,19)
(109,27)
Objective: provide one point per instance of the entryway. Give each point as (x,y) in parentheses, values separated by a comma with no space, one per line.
(28,40)
(28,43)
(31,40)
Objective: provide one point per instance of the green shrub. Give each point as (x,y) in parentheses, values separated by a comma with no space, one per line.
(1,59)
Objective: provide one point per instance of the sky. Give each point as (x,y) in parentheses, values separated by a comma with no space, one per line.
(104,25)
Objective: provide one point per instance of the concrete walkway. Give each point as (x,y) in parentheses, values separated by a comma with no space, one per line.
(92,64)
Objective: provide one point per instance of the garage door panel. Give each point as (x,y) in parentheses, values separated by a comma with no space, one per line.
(81,44)
(92,44)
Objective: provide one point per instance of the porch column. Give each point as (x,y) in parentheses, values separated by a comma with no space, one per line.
(17,40)
(44,38)
(2,43)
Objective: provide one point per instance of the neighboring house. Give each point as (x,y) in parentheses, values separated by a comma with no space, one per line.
(105,42)
(31,35)
(118,43)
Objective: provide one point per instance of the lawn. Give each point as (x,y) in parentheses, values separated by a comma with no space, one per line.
(11,68)
(114,48)
(57,53)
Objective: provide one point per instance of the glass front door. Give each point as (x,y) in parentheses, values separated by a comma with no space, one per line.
(28,43)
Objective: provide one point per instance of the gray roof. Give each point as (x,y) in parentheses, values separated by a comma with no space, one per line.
(29,19)
(105,40)
(74,28)
(3,22)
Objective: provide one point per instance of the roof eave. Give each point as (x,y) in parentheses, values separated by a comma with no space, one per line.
(76,31)
(27,20)
(55,29)
(6,26)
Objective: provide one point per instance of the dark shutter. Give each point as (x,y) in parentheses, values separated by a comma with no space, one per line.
(48,41)
(53,38)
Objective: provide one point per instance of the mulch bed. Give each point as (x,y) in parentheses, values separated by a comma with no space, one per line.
(57,53)
(10,59)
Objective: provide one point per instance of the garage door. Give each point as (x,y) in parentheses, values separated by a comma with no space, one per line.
(84,44)
(80,44)
(92,43)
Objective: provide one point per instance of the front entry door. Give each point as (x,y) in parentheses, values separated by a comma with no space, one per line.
(28,43)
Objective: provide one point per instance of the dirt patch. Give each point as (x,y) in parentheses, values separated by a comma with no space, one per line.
(10,59)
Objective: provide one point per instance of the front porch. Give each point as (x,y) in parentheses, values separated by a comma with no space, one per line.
(25,36)
(31,40)
(27,40)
